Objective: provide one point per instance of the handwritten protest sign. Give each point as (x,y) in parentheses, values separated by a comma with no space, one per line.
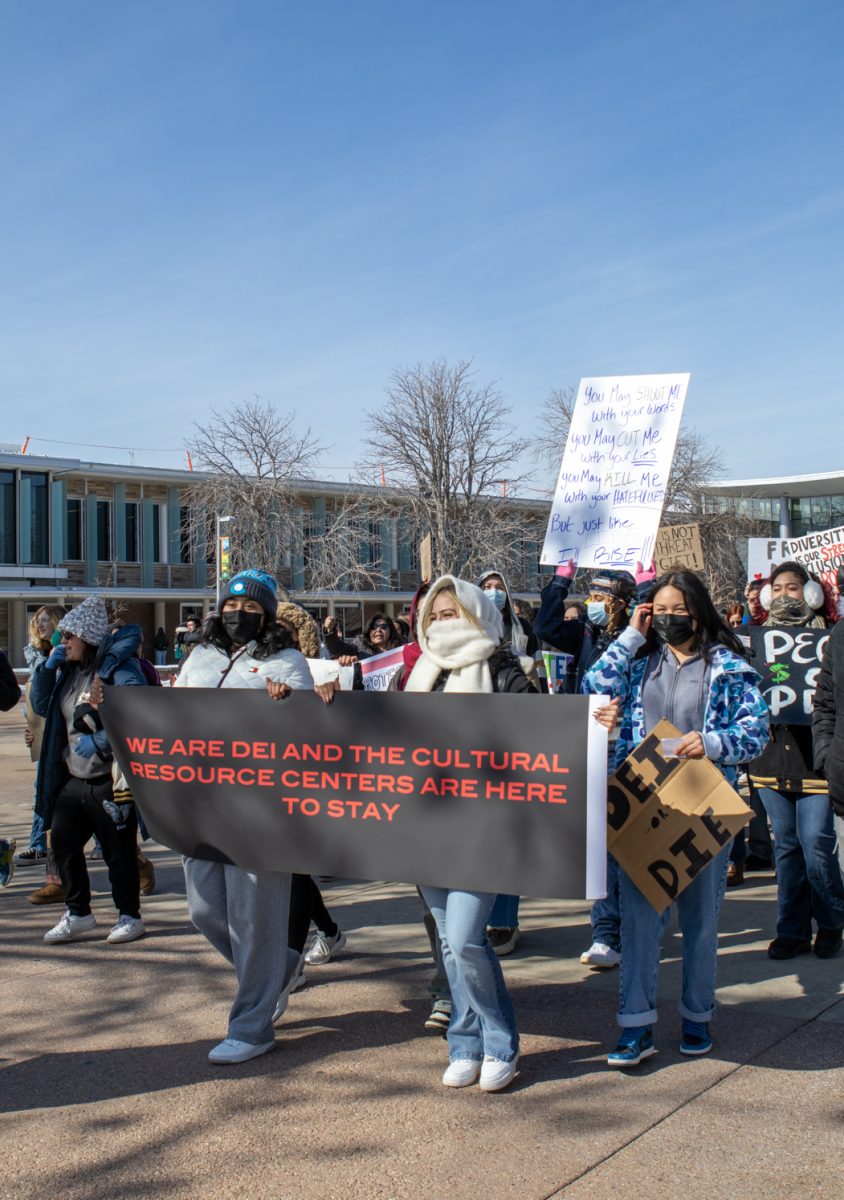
(789,661)
(450,790)
(328,670)
(611,486)
(669,817)
(378,670)
(822,554)
(678,545)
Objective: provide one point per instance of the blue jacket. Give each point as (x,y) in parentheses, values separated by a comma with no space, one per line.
(117,666)
(736,723)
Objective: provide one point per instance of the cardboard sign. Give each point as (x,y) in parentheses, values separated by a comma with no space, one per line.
(491,793)
(378,670)
(669,817)
(789,660)
(557,666)
(328,670)
(612,481)
(678,545)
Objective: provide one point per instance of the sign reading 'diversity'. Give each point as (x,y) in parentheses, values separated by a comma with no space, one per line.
(822,554)
(669,817)
(789,660)
(492,793)
(611,487)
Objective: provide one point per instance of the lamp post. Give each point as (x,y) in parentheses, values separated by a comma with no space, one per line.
(220,550)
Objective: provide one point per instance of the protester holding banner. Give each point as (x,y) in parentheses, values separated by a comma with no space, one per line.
(678,661)
(460,631)
(503,931)
(244,914)
(74,789)
(796,798)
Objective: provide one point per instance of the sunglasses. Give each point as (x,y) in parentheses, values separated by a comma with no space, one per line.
(67,636)
(380,625)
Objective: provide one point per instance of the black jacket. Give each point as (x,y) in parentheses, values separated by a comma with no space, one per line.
(506,671)
(828,718)
(10,692)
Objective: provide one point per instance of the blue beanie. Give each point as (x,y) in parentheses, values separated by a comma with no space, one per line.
(252,585)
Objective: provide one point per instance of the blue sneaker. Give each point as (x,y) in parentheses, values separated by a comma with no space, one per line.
(633,1046)
(7,861)
(696,1038)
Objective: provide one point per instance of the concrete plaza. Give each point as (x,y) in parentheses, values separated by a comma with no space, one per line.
(106,1092)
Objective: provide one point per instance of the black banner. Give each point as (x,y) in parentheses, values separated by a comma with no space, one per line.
(482,792)
(788,658)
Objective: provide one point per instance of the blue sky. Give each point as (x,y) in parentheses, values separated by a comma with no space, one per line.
(206,201)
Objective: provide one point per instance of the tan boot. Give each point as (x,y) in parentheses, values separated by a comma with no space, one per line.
(147,873)
(50,893)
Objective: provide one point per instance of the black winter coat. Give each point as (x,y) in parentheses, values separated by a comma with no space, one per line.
(828,718)
(10,692)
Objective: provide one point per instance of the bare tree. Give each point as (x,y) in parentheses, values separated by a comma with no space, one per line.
(256,467)
(696,462)
(445,449)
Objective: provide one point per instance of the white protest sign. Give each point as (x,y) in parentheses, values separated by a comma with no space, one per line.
(378,670)
(611,487)
(327,670)
(820,553)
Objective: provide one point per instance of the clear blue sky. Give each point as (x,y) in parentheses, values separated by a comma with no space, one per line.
(202,201)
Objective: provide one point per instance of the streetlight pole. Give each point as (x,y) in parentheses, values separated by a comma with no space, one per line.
(219,554)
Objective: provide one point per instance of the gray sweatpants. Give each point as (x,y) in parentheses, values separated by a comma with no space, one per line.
(244,915)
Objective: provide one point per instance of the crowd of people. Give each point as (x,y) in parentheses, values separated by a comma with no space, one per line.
(654,647)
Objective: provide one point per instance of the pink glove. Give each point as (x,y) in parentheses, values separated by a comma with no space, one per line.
(645,575)
(566,570)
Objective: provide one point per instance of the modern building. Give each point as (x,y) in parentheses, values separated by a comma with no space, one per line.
(792,505)
(69,528)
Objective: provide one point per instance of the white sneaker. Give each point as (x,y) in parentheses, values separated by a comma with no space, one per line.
(296,981)
(461,1072)
(230,1050)
(70,927)
(127,929)
(323,948)
(600,954)
(496,1074)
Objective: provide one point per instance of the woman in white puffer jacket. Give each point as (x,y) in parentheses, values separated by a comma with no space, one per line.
(244,914)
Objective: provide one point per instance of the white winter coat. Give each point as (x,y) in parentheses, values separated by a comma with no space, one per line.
(206,666)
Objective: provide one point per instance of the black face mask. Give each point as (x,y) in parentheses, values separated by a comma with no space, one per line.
(242,627)
(672,629)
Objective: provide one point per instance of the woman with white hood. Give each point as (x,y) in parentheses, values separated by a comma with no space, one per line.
(459,634)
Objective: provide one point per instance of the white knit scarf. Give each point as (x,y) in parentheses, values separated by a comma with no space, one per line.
(458,646)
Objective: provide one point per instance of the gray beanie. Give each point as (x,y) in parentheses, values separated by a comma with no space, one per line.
(89,620)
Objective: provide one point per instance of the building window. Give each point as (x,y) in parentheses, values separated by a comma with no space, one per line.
(8,540)
(34,513)
(103,531)
(131,530)
(156,533)
(73,529)
(185,535)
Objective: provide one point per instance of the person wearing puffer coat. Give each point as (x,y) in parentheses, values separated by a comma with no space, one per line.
(679,661)
(244,914)
(74,785)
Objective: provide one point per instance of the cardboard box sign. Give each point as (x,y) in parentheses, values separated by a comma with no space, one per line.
(678,545)
(669,817)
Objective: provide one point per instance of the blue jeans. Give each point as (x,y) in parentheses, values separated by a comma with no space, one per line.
(809,880)
(37,833)
(606,917)
(505,913)
(641,932)
(482,1017)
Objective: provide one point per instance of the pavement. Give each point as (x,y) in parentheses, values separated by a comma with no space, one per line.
(106,1092)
